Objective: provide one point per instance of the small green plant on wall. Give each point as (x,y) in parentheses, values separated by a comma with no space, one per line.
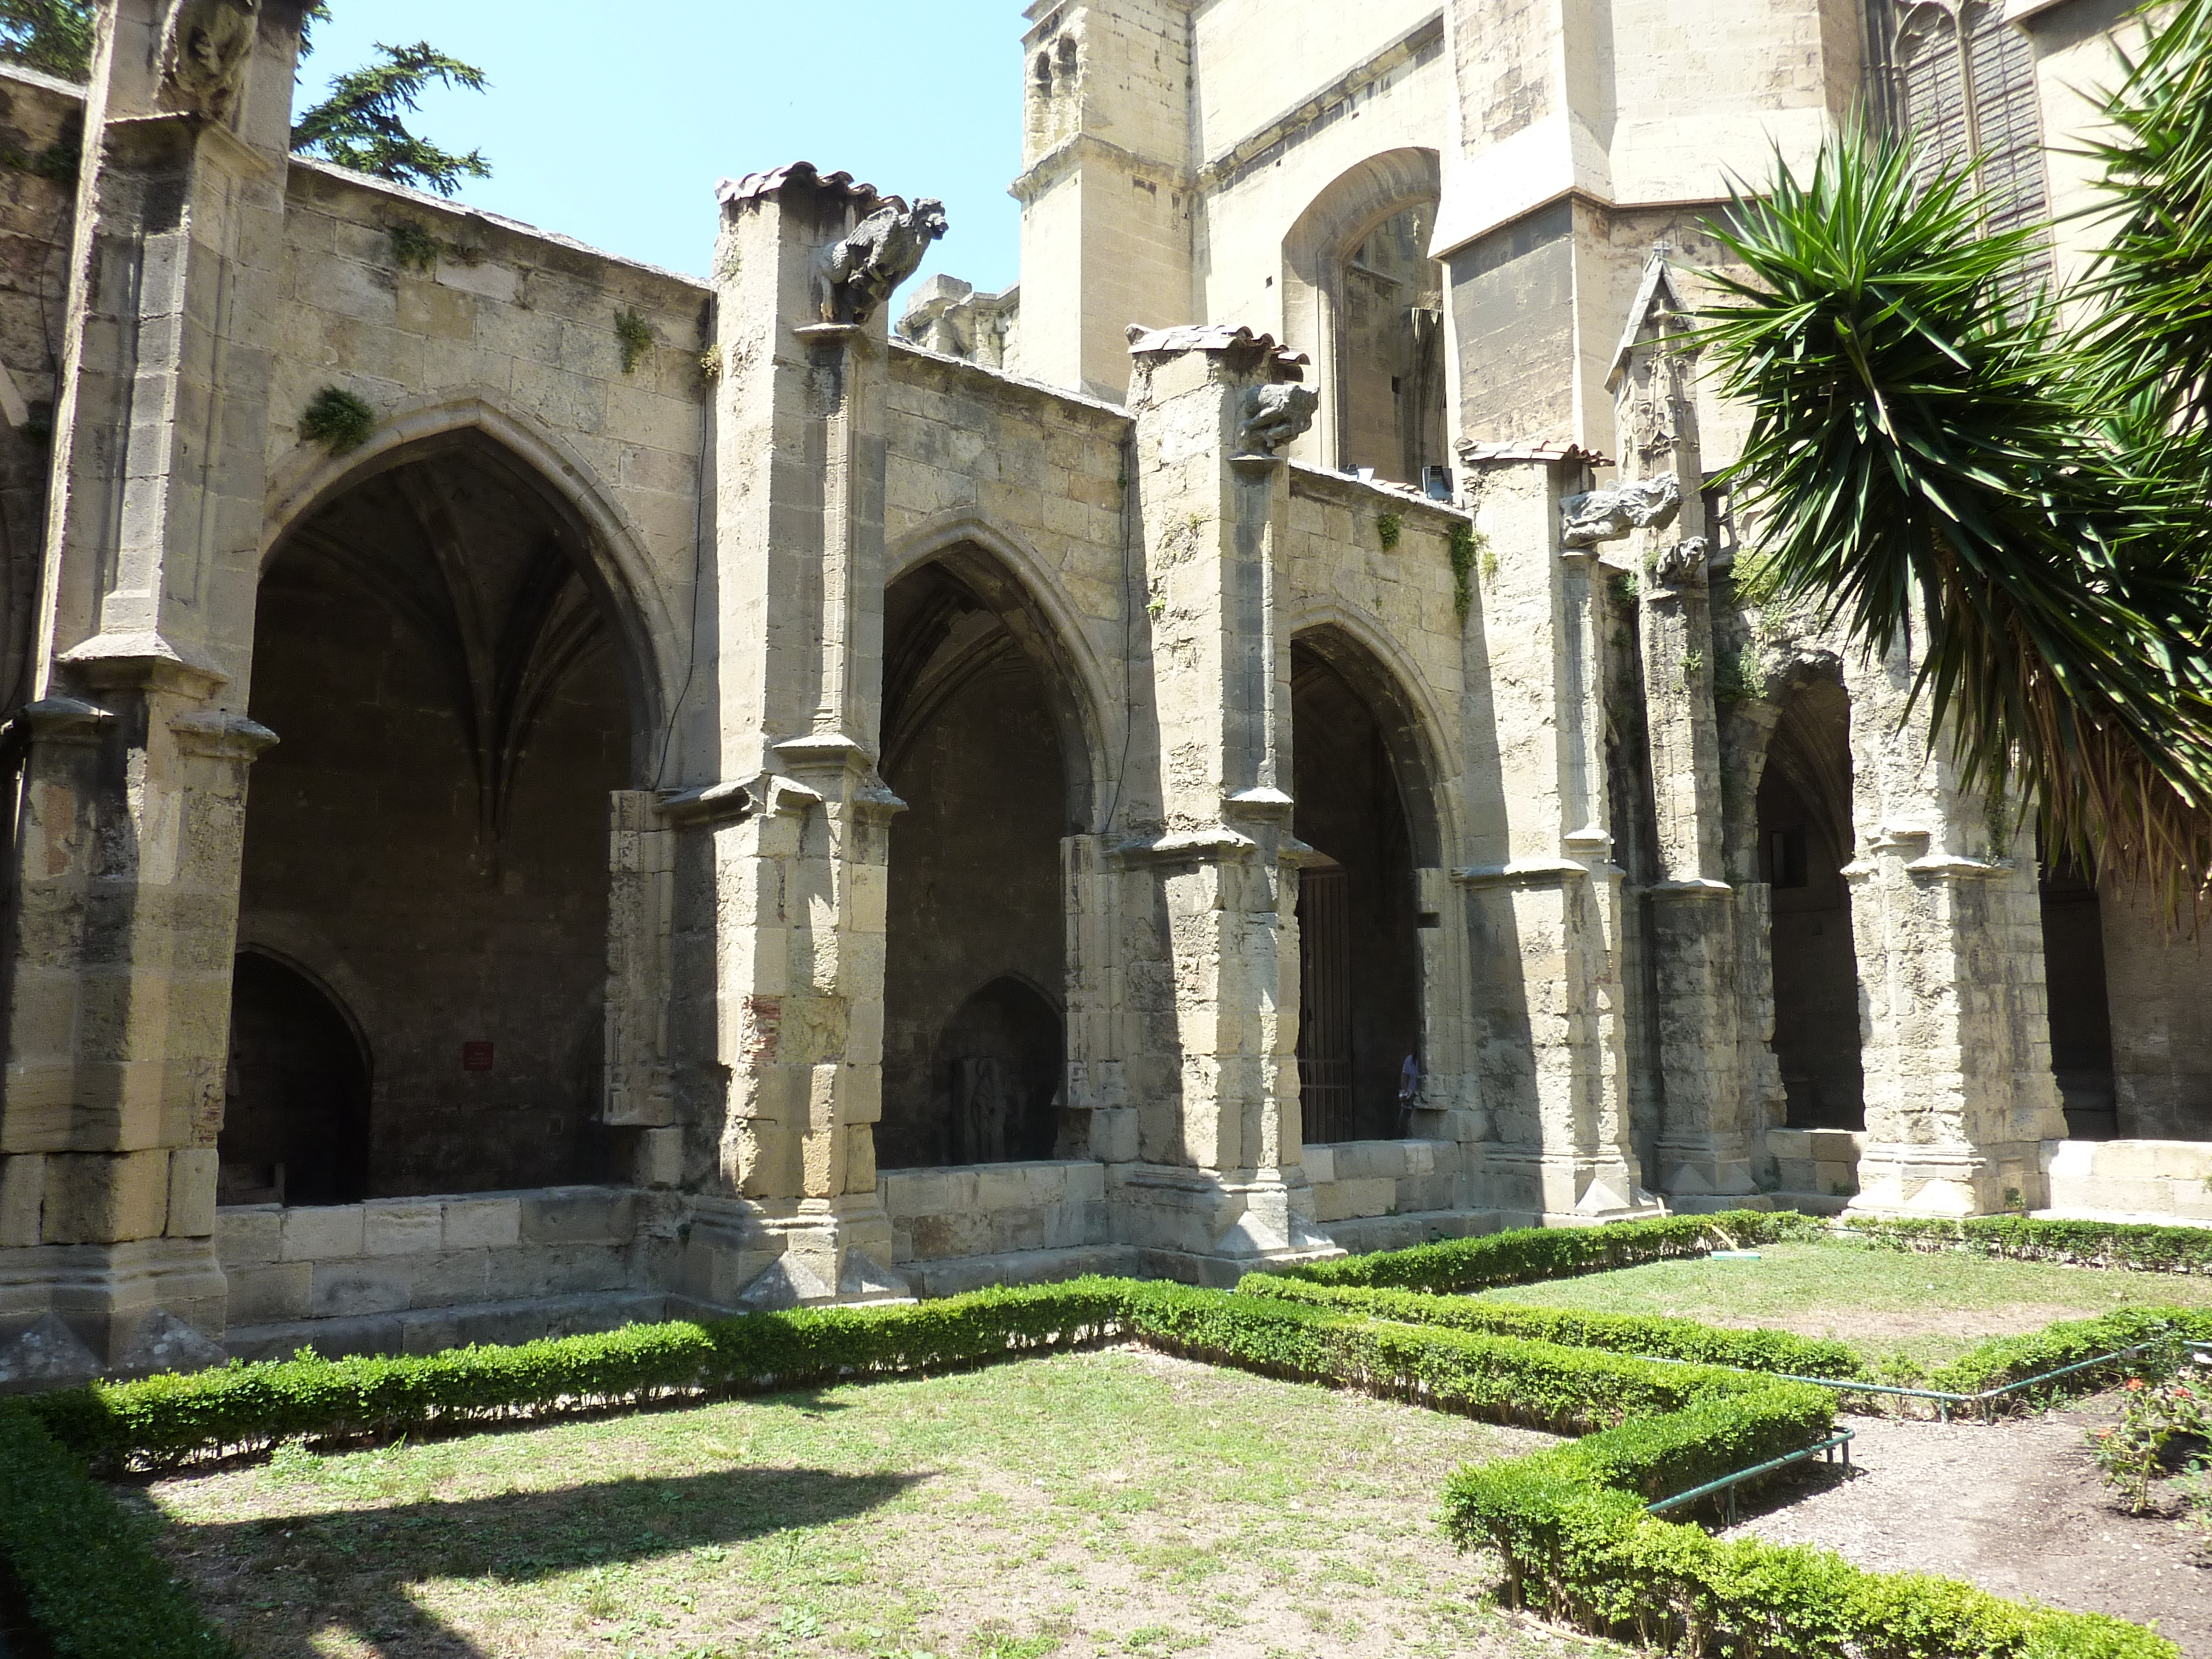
(637,336)
(1388,529)
(338,420)
(414,248)
(1735,676)
(1470,547)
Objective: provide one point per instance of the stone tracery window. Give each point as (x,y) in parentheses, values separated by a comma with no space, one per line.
(1963,82)
(1391,342)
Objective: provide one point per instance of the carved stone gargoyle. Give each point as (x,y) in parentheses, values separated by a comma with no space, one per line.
(1607,515)
(205,47)
(882,250)
(1274,414)
(1683,563)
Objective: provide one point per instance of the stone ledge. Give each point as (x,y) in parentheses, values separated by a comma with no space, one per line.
(430,1330)
(954,1274)
(1365,1234)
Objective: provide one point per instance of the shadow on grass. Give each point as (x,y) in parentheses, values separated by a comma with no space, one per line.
(275,1581)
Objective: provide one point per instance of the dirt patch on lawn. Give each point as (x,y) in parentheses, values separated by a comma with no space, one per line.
(2016,1507)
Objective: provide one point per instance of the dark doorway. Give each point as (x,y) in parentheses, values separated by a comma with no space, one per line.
(1804,840)
(452,717)
(972,1044)
(2080,1000)
(997,1075)
(295,1095)
(1360,974)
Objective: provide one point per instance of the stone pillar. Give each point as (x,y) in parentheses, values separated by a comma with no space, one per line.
(1220,1188)
(1544,897)
(797,834)
(1704,1149)
(1957,1037)
(132,758)
(640,1094)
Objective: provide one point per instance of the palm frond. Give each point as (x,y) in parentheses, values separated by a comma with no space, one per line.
(1928,477)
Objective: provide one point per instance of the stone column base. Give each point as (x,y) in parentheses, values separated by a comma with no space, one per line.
(1565,1191)
(743,1255)
(1905,1180)
(111,1296)
(1695,1171)
(1212,1227)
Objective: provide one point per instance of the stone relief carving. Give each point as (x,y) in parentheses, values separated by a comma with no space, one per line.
(1274,414)
(205,47)
(1683,563)
(880,253)
(1607,515)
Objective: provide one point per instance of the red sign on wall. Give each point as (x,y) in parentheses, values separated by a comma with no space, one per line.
(475,1056)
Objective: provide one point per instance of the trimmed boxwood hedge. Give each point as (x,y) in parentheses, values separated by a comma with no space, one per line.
(2005,1360)
(1569,1522)
(1660,1337)
(1571,1527)
(244,1408)
(2136,1247)
(89,1577)
(1525,1255)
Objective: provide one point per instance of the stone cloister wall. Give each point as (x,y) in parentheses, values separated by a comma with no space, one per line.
(698,611)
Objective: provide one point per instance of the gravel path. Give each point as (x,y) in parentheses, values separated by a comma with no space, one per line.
(2015,1507)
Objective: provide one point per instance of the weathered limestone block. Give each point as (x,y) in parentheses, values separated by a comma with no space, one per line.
(192,1193)
(265,1292)
(493,1223)
(92,1198)
(248,1235)
(322,1234)
(22,1197)
(401,1226)
(563,1215)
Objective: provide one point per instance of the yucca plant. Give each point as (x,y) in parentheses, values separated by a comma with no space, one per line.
(1942,468)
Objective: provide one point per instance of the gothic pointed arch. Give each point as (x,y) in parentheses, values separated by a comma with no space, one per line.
(1362,297)
(1005,577)
(460,675)
(597,537)
(1365,803)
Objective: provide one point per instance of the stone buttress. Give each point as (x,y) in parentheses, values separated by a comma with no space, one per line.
(1218,1185)
(135,747)
(1544,894)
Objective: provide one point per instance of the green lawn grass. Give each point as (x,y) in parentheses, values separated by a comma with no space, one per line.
(1112,1503)
(1921,1310)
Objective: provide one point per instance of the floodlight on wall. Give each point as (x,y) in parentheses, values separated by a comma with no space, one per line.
(1437,483)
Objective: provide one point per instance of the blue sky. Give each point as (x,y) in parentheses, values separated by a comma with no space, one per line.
(611,123)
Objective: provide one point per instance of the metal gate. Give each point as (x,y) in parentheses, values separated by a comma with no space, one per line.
(1325,1002)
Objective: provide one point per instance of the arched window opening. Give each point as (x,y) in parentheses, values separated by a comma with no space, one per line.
(1391,349)
(295,1093)
(1360,984)
(452,717)
(972,1047)
(1962,81)
(1804,841)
